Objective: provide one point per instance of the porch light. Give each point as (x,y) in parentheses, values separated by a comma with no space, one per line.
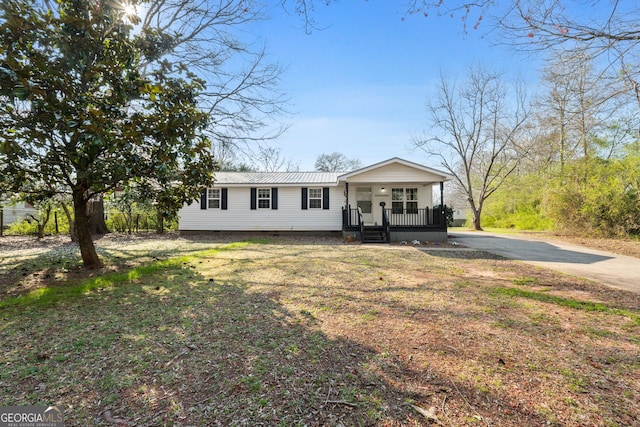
(382,189)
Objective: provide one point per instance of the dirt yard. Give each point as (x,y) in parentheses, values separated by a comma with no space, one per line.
(268,330)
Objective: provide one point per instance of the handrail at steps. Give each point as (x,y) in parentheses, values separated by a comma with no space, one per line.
(385,224)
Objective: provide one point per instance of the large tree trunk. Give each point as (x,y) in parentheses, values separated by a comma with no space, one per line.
(476,218)
(476,223)
(87,248)
(96,216)
(159,222)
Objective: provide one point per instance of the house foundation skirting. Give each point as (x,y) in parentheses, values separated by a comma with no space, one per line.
(330,233)
(406,235)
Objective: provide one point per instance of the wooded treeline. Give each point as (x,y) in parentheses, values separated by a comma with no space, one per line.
(564,155)
(581,172)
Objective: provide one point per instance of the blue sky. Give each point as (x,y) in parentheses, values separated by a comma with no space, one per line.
(360,85)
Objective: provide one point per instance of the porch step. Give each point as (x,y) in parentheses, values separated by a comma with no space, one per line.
(374,235)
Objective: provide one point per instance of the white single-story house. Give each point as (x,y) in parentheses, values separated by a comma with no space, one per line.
(460,217)
(16,212)
(388,201)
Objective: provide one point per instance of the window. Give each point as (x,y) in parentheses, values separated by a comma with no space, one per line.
(213,198)
(315,198)
(412,200)
(397,200)
(264,198)
(404,200)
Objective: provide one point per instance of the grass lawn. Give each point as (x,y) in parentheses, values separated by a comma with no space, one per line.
(282,331)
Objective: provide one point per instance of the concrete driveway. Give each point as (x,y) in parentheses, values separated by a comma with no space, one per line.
(618,271)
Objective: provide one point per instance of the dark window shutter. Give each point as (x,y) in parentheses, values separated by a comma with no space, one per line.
(305,198)
(325,198)
(274,198)
(203,199)
(223,202)
(254,198)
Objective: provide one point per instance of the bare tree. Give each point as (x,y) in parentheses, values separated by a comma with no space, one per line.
(612,25)
(580,111)
(270,159)
(476,130)
(603,24)
(604,33)
(606,30)
(336,162)
(242,93)
(469,10)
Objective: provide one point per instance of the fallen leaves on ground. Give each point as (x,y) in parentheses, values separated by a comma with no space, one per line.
(291,332)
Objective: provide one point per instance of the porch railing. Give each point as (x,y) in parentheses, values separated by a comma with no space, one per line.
(351,218)
(422,217)
(396,218)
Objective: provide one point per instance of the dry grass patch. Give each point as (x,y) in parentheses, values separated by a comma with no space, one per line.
(286,333)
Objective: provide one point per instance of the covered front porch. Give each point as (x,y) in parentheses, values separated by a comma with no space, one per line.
(393,201)
(393,213)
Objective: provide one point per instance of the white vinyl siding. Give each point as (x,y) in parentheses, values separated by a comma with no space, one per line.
(17,212)
(288,216)
(394,173)
(288,211)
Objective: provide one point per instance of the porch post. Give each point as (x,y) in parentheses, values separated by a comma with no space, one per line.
(347,207)
(346,194)
(442,209)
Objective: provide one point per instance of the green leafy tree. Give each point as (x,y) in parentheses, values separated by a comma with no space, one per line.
(78,117)
(41,218)
(607,203)
(518,203)
(124,207)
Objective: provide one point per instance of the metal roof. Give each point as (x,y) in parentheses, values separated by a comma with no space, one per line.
(281,178)
(315,178)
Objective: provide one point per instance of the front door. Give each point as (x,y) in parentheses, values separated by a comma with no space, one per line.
(363,198)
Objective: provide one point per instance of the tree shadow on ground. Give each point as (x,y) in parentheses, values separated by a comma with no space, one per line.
(461,254)
(181,348)
(226,346)
(29,263)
